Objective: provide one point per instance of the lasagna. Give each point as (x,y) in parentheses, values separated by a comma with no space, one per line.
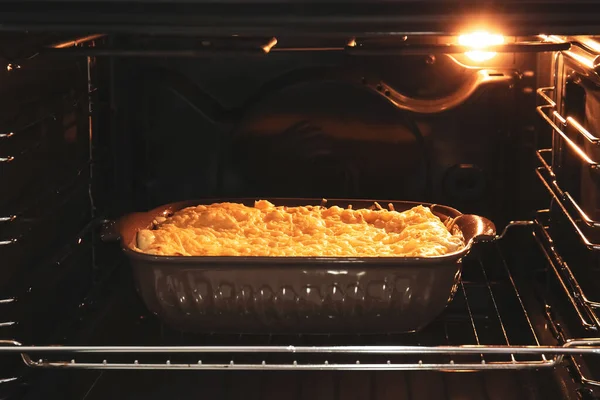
(231,229)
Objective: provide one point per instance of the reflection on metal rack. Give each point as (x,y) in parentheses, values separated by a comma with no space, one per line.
(268,45)
(369,48)
(551,106)
(574,347)
(569,121)
(245,47)
(476,80)
(582,56)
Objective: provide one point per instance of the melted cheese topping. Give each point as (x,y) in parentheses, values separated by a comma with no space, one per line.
(231,229)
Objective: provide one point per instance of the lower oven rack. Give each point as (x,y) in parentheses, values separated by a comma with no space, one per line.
(573,347)
(487,327)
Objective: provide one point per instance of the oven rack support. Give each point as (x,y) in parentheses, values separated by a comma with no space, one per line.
(584,307)
(549,114)
(564,199)
(573,347)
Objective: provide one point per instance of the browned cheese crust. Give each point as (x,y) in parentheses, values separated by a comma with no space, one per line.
(231,229)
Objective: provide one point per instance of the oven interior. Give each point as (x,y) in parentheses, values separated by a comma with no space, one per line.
(96,126)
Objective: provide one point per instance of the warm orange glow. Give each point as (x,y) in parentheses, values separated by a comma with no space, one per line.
(479,41)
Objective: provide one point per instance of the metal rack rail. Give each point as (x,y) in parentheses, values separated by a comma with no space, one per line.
(584,307)
(578,347)
(572,134)
(576,217)
(563,198)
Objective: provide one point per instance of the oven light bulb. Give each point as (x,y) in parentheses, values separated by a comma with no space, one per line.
(479,41)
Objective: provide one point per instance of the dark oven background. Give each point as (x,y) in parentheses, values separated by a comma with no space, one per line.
(315,125)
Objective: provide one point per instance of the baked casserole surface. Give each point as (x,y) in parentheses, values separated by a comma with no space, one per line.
(232,229)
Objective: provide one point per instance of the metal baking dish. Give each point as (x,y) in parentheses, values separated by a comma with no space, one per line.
(298,294)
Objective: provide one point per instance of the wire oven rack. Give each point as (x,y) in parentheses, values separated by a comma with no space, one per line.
(486,327)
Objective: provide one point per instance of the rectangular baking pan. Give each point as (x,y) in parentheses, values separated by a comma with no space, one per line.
(297,294)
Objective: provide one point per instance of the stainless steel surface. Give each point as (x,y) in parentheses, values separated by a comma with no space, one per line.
(582,56)
(477,80)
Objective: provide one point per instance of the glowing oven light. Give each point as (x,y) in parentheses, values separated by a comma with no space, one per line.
(479,41)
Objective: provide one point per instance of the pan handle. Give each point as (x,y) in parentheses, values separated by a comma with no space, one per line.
(126,227)
(492,237)
(474,228)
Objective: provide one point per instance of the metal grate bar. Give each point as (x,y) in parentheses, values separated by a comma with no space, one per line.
(495,304)
(468,306)
(590,347)
(520,300)
(296,366)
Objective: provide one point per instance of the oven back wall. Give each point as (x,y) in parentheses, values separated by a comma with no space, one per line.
(315,125)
